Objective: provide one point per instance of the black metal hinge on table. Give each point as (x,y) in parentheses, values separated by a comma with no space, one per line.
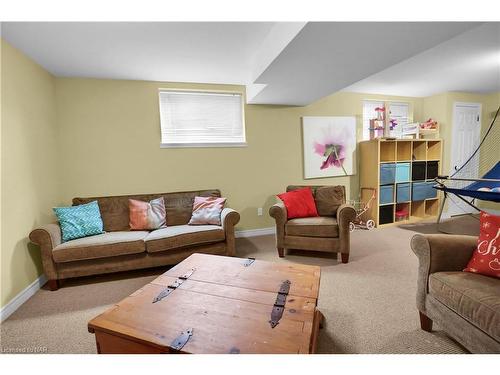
(177,283)
(182,339)
(248,262)
(279,305)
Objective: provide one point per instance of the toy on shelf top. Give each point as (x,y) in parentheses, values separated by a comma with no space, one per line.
(380,113)
(429,127)
(430,124)
(377,124)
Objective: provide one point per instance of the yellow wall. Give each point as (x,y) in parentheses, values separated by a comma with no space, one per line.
(104,139)
(435,107)
(110,144)
(30,178)
(65,137)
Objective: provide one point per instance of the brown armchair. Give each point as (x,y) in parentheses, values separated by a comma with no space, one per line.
(328,232)
(465,305)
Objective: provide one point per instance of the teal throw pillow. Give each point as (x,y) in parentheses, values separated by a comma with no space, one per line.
(79,221)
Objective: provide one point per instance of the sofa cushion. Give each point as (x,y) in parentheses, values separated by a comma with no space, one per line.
(115,210)
(474,297)
(328,199)
(100,246)
(321,226)
(183,235)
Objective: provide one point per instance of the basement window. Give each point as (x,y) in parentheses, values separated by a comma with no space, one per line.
(201,119)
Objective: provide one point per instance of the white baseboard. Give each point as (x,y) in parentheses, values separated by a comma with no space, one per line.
(255,232)
(22,297)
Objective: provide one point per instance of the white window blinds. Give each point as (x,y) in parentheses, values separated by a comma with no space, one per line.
(400,113)
(201,119)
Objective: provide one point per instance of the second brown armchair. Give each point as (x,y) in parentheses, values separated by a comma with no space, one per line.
(328,232)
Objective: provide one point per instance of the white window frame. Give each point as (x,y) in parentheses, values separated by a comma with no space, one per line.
(205,144)
(387,104)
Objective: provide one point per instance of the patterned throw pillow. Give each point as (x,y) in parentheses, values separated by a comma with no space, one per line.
(147,215)
(79,221)
(486,258)
(207,210)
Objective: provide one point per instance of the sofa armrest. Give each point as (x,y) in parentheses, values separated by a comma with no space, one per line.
(439,252)
(279,213)
(443,252)
(229,218)
(345,215)
(47,237)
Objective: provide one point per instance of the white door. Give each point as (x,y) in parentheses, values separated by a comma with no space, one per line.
(466,136)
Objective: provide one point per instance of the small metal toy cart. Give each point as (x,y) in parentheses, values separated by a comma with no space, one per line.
(361,208)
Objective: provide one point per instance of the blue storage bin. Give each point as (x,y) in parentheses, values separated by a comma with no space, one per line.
(419,191)
(430,192)
(402,172)
(386,194)
(387,173)
(403,192)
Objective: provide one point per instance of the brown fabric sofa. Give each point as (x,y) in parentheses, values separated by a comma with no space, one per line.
(464,304)
(120,249)
(328,232)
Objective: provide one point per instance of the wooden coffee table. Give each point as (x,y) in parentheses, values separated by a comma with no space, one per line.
(217,304)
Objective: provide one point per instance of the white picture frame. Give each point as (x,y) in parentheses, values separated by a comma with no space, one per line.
(329,146)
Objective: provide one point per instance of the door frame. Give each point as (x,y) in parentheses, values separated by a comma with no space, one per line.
(479,107)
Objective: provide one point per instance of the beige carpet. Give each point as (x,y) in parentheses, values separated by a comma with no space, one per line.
(461,224)
(369,303)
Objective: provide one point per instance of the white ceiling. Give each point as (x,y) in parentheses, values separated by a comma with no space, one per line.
(207,52)
(469,62)
(327,57)
(289,63)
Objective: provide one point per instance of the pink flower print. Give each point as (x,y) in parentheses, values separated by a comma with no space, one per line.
(331,145)
(335,155)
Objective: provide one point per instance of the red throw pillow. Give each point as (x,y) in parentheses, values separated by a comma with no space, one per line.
(299,203)
(486,258)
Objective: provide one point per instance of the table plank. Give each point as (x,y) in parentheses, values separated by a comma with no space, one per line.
(260,275)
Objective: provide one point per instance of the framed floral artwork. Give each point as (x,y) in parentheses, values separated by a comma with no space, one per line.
(329,146)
